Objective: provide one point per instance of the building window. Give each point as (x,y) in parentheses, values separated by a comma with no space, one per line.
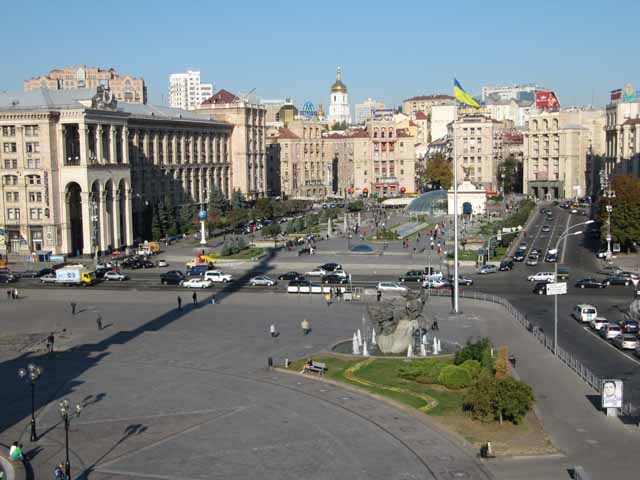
(33,163)
(35,197)
(13,214)
(34,180)
(12,197)
(10,163)
(31,130)
(10,180)
(9,147)
(9,131)
(33,147)
(35,214)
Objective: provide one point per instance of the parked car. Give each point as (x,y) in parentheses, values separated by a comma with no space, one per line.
(330,267)
(173,277)
(629,326)
(217,276)
(262,280)
(392,287)
(291,276)
(583,312)
(506,265)
(27,274)
(412,276)
(625,341)
(548,277)
(316,272)
(598,322)
(115,276)
(196,283)
(487,269)
(48,278)
(610,331)
(591,283)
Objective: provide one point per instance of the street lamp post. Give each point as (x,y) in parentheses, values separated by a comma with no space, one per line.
(609,194)
(564,235)
(94,225)
(31,374)
(64,413)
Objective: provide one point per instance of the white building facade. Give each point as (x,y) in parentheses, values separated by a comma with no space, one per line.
(364,110)
(186,91)
(339,111)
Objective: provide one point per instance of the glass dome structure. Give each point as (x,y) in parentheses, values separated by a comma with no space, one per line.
(432,203)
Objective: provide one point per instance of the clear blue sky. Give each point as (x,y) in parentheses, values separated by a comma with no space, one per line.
(388,50)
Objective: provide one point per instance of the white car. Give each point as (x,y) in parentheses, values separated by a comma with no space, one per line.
(532,261)
(625,341)
(162,263)
(434,283)
(598,322)
(104,265)
(316,272)
(48,278)
(115,276)
(548,277)
(196,283)
(216,276)
(610,331)
(262,280)
(393,287)
(340,273)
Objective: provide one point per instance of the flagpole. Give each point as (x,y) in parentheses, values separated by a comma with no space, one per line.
(455,222)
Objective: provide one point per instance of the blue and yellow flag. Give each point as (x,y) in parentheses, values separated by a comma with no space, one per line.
(462,96)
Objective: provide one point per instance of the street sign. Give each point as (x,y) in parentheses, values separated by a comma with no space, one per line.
(557,288)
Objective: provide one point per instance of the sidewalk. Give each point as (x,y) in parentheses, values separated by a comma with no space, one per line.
(567,407)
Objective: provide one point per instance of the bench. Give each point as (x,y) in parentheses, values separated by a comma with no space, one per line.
(316,367)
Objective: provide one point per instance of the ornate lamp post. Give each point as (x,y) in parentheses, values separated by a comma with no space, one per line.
(64,413)
(203,217)
(31,374)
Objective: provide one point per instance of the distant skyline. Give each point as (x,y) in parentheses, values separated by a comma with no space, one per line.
(388,52)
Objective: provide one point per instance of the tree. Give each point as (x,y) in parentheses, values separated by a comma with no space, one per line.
(339,126)
(509,175)
(218,202)
(438,173)
(272,230)
(188,217)
(625,214)
(237,199)
(156,224)
(264,208)
(170,221)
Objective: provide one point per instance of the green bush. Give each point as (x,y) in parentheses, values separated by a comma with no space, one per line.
(479,350)
(473,367)
(423,371)
(455,377)
(272,230)
(233,246)
(499,399)
(355,206)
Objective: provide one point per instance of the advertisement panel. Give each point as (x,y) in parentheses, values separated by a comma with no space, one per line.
(616,95)
(547,101)
(612,394)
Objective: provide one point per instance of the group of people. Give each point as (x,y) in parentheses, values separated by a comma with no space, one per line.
(74,307)
(12,294)
(305,325)
(16,454)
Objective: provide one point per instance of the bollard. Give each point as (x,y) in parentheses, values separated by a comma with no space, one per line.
(270,362)
(286,363)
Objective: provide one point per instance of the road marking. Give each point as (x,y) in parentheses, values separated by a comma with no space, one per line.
(610,345)
(564,243)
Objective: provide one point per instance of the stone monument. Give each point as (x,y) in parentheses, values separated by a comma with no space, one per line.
(395,322)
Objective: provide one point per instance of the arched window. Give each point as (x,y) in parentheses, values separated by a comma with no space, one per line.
(382,130)
(535,125)
(545,124)
(390,132)
(555,124)
(10,180)
(375,133)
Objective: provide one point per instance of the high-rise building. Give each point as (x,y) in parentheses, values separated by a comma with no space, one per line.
(515,92)
(186,91)
(364,110)
(424,103)
(339,101)
(623,137)
(124,88)
(557,146)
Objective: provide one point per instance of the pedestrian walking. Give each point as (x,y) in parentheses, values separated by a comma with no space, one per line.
(9,294)
(179,303)
(99,321)
(73,308)
(59,472)
(434,325)
(15,294)
(272,330)
(327,298)
(195,298)
(306,326)
(378,295)
(50,340)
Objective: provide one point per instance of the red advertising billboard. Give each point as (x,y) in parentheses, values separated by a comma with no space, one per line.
(616,95)
(547,101)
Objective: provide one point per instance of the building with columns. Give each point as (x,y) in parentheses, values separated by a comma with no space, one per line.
(124,87)
(248,140)
(623,138)
(80,171)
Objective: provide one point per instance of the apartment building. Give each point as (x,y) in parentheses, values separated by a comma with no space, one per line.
(186,90)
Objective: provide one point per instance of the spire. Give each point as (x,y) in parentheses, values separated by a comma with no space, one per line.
(339,74)
(338,86)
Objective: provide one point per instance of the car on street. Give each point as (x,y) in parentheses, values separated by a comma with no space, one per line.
(598,322)
(172,277)
(523,246)
(27,274)
(291,276)
(262,280)
(45,271)
(540,288)
(629,326)
(532,260)
(334,279)
(115,276)
(583,312)
(563,273)
(162,263)
(216,276)
(391,287)
(546,228)
(602,253)
(551,256)
(196,283)
(610,331)
(548,277)
(610,270)
(435,283)
(48,278)
(316,272)
(519,255)
(591,283)
(362,248)
(462,280)
(412,276)
(6,277)
(330,267)
(625,341)
(487,269)
(506,265)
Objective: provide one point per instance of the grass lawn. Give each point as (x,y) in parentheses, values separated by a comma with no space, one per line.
(445,406)
(247,254)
